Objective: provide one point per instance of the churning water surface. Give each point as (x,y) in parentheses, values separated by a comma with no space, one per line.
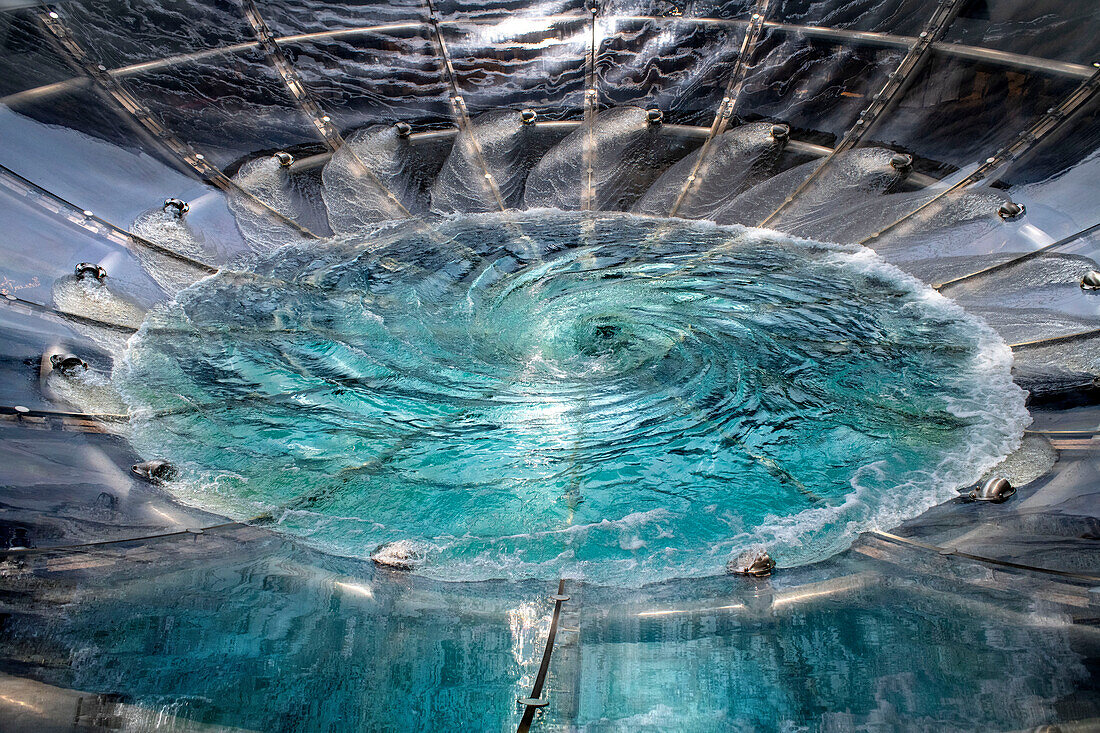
(601,396)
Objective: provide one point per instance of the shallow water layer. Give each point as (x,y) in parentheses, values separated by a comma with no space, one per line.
(610,397)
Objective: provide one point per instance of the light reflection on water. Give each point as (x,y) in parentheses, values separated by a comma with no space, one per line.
(636,400)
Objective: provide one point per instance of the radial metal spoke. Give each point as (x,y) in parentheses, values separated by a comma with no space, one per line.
(995,166)
(591,107)
(1017,260)
(87,220)
(196,162)
(729,101)
(32,308)
(459,111)
(896,84)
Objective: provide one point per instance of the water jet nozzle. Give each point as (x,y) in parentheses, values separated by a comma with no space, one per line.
(68,363)
(995,490)
(1010,210)
(156,471)
(88,269)
(179,207)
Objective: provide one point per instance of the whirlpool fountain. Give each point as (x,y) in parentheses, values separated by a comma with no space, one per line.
(622,365)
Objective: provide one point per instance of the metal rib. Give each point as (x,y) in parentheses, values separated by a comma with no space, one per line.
(458,105)
(952,552)
(687,131)
(1075,336)
(67,45)
(973,53)
(729,100)
(88,221)
(29,306)
(291,79)
(896,84)
(544,665)
(106,543)
(1017,260)
(591,106)
(1024,142)
(107,417)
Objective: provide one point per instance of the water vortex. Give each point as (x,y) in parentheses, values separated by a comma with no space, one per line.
(604,396)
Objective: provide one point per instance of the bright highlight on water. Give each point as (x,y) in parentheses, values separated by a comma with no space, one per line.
(621,399)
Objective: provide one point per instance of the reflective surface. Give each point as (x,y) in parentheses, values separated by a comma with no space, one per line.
(112,107)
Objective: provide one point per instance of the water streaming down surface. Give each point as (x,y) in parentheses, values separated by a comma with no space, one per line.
(171,232)
(628,155)
(370,178)
(637,400)
(851,178)
(736,160)
(506,147)
(86,296)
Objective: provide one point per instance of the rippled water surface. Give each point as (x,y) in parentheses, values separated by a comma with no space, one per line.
(609,397)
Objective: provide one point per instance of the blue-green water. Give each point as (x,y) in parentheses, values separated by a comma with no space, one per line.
(614,398)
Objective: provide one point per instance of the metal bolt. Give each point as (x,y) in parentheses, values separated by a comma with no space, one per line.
(179,207)
(902,162)
(1010,210)
(995,490)
(1091,280)
(85,269)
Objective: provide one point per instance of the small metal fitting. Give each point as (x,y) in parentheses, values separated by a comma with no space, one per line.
(88,269)
(68,363)
(754,565)
(404,129)
(155,472)
(995,490)
(1010,210)
(781,133)
(395,556)
(528,116)
(654,116)
(179,207)
(902,163)
(285,159)
(1091,280)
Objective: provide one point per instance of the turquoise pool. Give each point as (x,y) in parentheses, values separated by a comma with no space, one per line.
(613,398)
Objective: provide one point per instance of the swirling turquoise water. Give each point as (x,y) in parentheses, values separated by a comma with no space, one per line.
(608,397)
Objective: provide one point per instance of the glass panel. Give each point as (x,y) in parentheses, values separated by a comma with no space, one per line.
(27,59)
(43,250)
(1050,29)
(958,112)
(294,17)
(520,62)
(382,77)
(225,106)
(812,84)
(119,33)
(898,17)
(680,67)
